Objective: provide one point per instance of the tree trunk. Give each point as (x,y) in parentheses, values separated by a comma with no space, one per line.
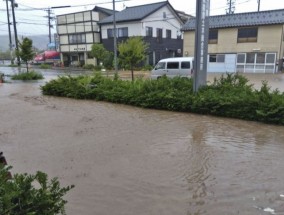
(132,74)
(27,65)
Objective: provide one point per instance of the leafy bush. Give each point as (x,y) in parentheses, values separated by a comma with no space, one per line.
(89,66)
(31,194)
(45,66)
(32,75)
(147,68)
(229,96)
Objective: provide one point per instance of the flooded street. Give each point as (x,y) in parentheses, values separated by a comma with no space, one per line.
(125,160)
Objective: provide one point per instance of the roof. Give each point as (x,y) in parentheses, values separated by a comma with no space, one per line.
(270,17)
(136,13)
(103,10)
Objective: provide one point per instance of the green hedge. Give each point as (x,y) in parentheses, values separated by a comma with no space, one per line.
(229,96)
(25,76)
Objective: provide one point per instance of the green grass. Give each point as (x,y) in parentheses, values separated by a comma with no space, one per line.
(229,96)
(25,76)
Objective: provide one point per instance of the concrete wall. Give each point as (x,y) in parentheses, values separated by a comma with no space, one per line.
(269,40)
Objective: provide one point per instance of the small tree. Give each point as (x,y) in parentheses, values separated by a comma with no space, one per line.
(132,52)
(99,52)
(31,194)
(25,51)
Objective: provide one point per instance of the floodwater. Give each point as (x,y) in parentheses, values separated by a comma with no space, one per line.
(125,160)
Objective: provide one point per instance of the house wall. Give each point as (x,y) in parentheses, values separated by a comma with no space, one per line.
(269,40)
(82,23)
(158,49)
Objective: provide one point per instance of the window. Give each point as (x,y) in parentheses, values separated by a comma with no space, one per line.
(217,58)
(109,33)
(250,57)
(122,32)
(213,36)
(159,34)
(241,58)
(246,35)
(270,58)
(160,65)
(149,32)
(185,65)
(169,34)
(77,38)
(172,65)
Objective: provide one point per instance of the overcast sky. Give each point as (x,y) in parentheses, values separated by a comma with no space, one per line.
(34,21)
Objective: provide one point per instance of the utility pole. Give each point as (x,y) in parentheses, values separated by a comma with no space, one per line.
(9,29)
(258,8)
(201,44)
(114,38)
(231,7)
(13,4)
(49,17)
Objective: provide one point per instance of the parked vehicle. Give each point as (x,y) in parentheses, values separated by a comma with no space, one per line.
(47,57)
(172,67)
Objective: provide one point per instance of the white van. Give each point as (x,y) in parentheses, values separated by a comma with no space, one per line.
(172,67)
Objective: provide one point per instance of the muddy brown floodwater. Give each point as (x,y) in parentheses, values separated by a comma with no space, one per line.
(125,160)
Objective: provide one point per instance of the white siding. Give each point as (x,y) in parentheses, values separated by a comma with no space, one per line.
(157,20)
(88,26)
(71,29)
(89,38)
(97,38)
(79,17)
(87,16)
(228,66)
(70,18)
(95,16)
(62,29)
(80,27)
(64,39)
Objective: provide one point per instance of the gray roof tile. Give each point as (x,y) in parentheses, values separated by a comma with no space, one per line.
(134,13)
(241,20)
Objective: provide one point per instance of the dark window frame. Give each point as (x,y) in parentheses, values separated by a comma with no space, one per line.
(149,31)
(168,34)
(247,35)
(159,35)
(213,36)
(77,38)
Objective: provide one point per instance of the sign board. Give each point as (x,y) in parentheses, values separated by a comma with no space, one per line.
(201,43)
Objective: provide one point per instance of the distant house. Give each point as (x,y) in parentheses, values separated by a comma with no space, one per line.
(245,42)
(158,23)
(77,32)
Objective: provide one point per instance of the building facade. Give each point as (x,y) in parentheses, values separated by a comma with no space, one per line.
(159,24)
(77,32)
(246,42)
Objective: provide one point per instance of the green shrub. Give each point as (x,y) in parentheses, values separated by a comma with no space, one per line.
(229,96)
(89,66)
(147,68)
(31,194)
(32,75)
(98,68)
(13,65)
(45,66)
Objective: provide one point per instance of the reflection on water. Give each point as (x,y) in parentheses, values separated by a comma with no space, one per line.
(126,160)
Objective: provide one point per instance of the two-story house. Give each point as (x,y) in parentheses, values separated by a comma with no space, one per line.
(158,23)
(77,33)
(245,42)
